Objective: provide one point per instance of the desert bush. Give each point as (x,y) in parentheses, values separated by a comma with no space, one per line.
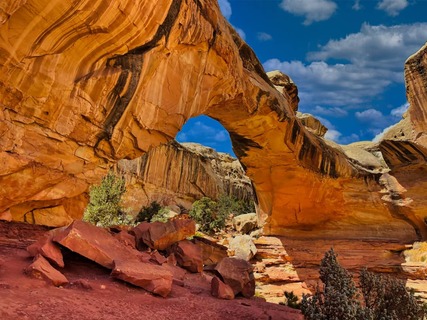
(291,300)
(229,205)
(387,298)
(212,215)
(161,215)
(147,213)
(205,213)
(104,208)
(382,298)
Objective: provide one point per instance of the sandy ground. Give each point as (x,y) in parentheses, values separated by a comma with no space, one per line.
(92,294)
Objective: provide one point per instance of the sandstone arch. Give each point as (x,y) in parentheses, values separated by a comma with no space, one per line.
(84,84)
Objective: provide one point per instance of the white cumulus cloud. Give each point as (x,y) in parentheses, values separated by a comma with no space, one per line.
(312,10)
(263,36)
(356,6)
(329,111)
(376,46)
(399,111)
(374,59)
(392,7)
(370,115)
(225,7)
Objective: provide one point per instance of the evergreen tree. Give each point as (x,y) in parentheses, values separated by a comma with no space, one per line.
(104,207)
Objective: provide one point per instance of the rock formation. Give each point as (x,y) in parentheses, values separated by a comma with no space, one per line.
(181,174)
(84,84)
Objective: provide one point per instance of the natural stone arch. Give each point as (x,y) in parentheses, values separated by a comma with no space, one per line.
(83,85)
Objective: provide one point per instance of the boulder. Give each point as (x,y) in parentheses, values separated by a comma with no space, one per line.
(48,249)
(159,235)
(126,238)
(243,247)
(188,256)
(156,257)
(238,274)
(94,243)
(152,278)
(221,290)
(42,269)
(245,223)
(212,252)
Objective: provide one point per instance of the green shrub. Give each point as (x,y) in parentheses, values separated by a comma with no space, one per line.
(387,297)
(291,300)
(104,207)
(383,298)
(205,213)
(147,213)
(160,216)
(229,205)
(212,215)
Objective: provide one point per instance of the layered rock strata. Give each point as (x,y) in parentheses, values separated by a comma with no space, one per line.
(181,174)
(85,84)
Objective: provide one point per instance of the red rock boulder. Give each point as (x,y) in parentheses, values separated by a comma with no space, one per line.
(48,249)
(221,290)
(159,235)
(238,274)
(94,243)
(42,269)
(188,256)
(152,278)
(212,252)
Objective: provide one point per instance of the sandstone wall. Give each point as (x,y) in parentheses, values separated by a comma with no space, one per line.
(177,173)
(84,84)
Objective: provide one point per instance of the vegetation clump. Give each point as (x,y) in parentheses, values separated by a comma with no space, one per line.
(104,208)
(381,298)
(212,215)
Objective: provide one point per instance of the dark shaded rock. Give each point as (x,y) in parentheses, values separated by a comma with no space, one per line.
(188,256)
(238,274)
(156,257)
(221,290)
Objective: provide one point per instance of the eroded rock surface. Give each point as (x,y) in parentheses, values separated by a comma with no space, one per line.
(182,173)
(83,85)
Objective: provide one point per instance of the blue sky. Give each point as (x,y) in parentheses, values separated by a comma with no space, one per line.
(345,56)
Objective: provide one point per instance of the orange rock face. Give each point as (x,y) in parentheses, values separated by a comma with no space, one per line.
(83,85)
(180,174)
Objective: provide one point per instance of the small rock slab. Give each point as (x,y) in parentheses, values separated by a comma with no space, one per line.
(42,269)
(94,243)
(212,252)
(188,256)
(159,235)
(48,249)
(238,274)
(152,278)
(221,290)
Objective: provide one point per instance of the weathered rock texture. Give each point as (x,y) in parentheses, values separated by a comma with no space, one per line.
(85,84)
(182,173)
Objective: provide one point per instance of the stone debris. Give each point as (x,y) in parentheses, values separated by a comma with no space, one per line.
(42,269)
(160,236)
(238,274)
(188,256)
(150,277)
(221,290)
